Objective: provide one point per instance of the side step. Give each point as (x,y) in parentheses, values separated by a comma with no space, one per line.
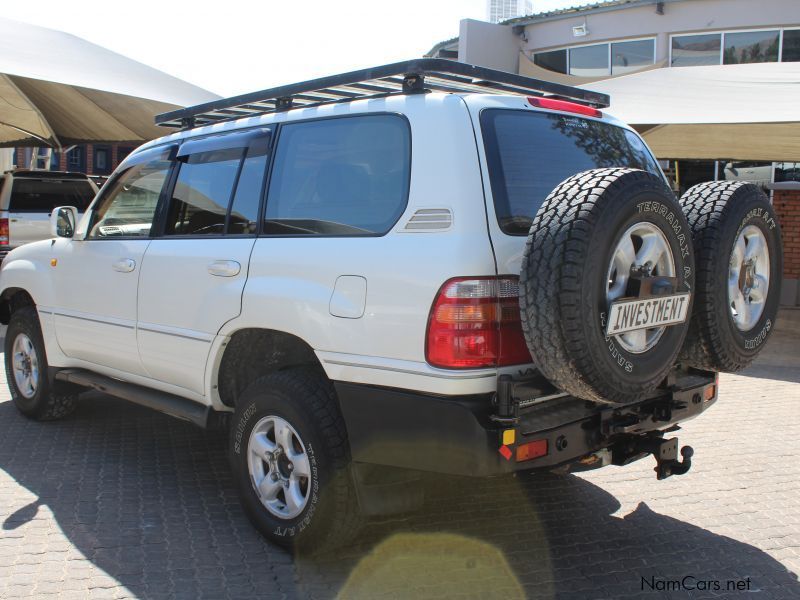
(164,402)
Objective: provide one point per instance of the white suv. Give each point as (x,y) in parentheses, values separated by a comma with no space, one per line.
(27,199)
(426,266)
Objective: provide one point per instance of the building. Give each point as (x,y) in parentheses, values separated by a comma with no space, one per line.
(585,44)
(502,10)
(98,160)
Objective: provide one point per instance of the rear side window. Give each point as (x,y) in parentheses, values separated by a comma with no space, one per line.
(530,153)
(202,193)
(345,176)
(43,195)
(219,185)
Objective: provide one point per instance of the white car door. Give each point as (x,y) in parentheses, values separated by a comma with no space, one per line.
(97,276)
(195,269)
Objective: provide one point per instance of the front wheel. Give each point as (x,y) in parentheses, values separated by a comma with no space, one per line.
(291,460)
(34,395)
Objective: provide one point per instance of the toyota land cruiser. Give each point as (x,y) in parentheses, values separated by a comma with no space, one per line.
(425,266)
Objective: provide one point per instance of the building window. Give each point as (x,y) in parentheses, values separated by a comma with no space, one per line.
(791,45)
(756,172)
(75,159)
(627,57)
(102,160)
(552,61)
(787,171)
(735,47)
(123,152)
(593,61)
(696,50)
(589,61)
(751,47)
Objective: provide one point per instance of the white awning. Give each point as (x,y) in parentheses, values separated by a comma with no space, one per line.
(755,93)
(59,89)
(743,112)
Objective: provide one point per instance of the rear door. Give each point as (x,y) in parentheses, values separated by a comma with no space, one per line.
(528,152)
(194,271)
(32,199)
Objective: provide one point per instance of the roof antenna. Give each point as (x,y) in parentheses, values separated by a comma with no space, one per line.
(659,8)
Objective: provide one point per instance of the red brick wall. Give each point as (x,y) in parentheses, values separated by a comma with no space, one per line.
(88,151)
(787,206)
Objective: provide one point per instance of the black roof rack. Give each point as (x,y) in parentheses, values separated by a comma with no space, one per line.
(414,76)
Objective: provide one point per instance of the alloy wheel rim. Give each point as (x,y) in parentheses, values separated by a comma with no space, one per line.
(642,247)
(280,470)
(25,364)
(748,278)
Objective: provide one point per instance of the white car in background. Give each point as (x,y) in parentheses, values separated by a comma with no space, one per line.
(27,199)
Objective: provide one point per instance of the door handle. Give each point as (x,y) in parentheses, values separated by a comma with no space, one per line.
(124,265)
(224,268)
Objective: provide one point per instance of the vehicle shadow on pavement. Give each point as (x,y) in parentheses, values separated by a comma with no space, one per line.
(149,500)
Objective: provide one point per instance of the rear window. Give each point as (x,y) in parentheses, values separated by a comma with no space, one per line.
(530,153)
(43,195)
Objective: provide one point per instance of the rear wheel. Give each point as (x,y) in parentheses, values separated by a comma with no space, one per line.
(291,458)
(737,244)
(34,395)
(595,238)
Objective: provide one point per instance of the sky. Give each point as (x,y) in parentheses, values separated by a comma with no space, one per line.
(231,47)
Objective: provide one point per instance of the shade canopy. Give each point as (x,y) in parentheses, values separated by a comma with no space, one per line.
(58,89)
(743,112)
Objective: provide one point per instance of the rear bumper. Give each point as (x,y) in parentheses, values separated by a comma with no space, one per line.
(464,435)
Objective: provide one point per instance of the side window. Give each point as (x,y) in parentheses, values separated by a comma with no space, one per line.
(346,176)
(246,200)
(202,192)
(129,204)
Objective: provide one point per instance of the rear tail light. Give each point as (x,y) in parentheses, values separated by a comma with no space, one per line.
(474,323)
(565,106)
(3,232)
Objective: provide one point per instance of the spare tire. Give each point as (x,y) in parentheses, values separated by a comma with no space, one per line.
(739,260)
(592,233)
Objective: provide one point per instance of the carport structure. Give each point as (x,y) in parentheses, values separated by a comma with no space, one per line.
(57,90)
(747,112)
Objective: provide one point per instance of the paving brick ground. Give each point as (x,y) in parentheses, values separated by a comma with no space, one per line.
(121,502)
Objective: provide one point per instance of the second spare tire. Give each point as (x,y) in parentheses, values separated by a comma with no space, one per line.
(737,243)
(596,240)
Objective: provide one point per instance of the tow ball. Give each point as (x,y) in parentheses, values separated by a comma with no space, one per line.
(664,451)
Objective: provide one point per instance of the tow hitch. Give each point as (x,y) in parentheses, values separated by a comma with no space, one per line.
(664,451)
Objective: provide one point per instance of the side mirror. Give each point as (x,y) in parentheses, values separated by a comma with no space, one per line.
(62,221)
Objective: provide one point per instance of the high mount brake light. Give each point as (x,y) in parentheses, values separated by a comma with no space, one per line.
(475,323)
(565,106)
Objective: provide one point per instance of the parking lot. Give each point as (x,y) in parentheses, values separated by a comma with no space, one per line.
(118,501)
